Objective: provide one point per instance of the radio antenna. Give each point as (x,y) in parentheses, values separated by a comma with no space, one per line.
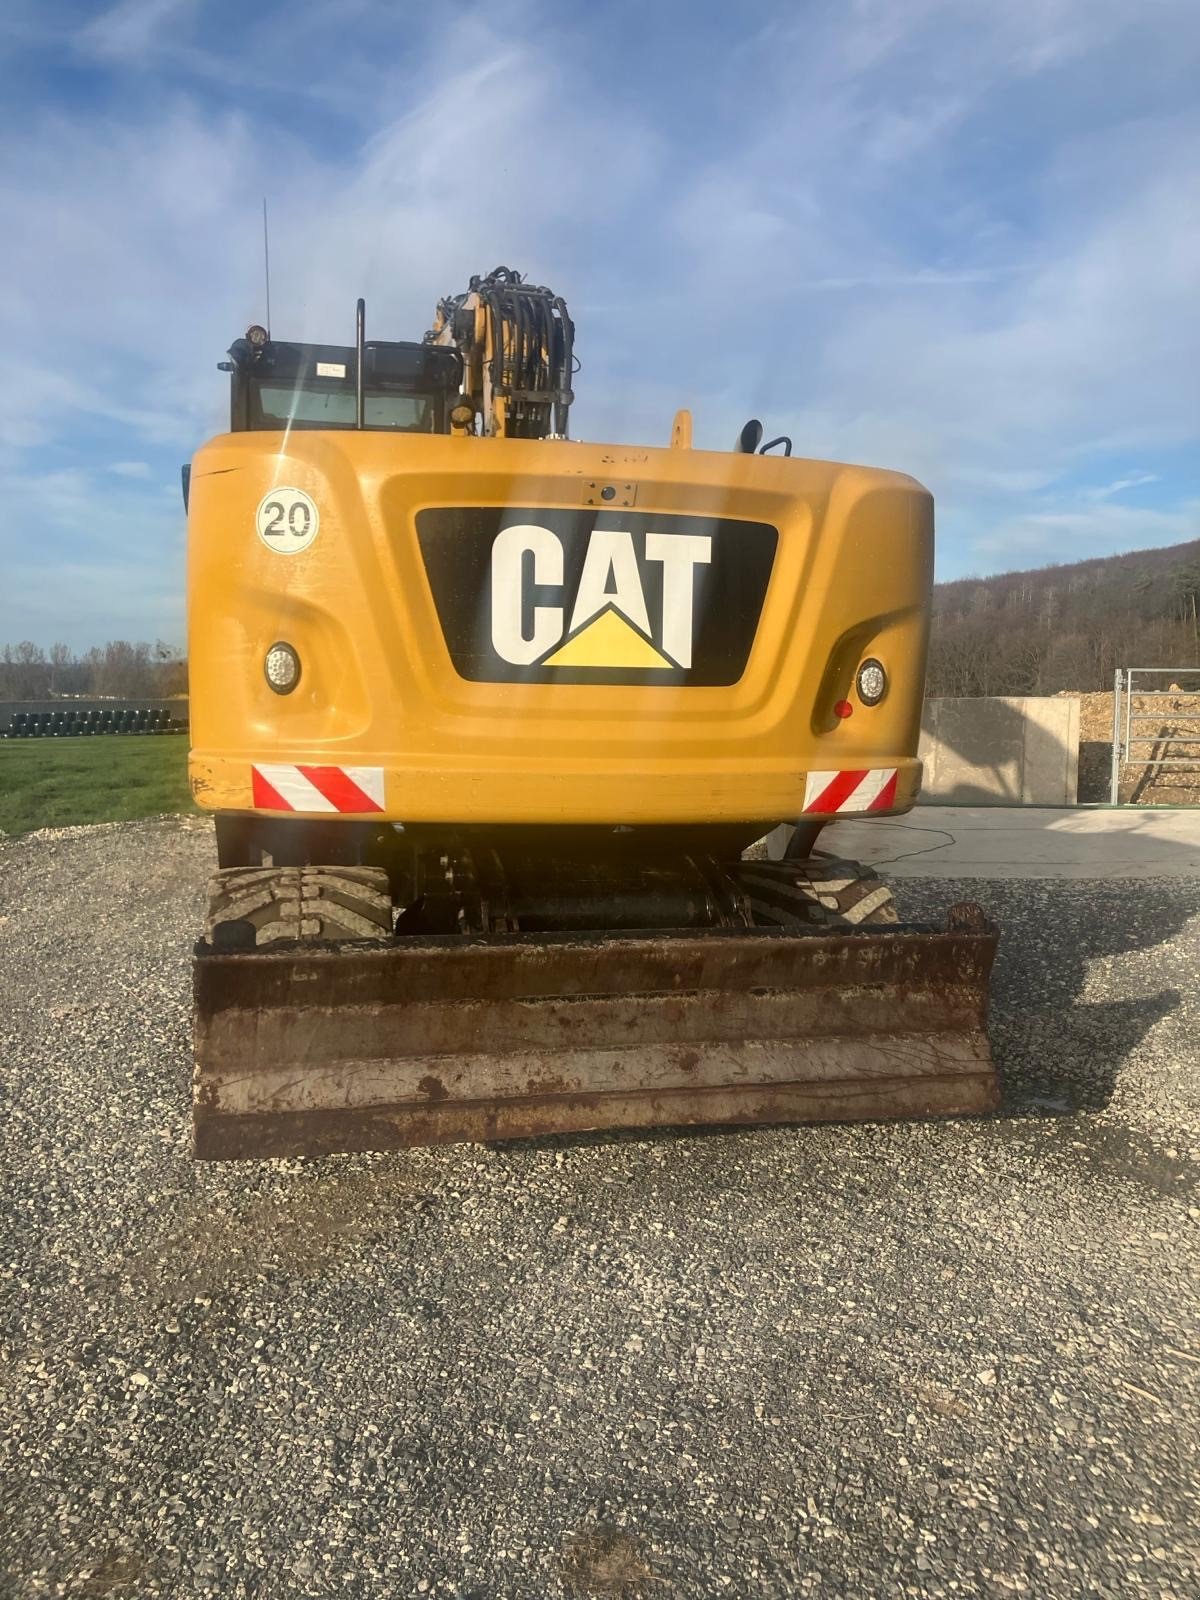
(267,264)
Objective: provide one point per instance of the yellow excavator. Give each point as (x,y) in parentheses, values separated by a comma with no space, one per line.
(493,722)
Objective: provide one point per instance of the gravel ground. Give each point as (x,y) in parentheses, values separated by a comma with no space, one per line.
(876,1360)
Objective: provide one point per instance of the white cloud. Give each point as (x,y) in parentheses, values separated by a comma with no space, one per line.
(162,224)
(129,30)
(1134,480)
(132,469)
(91,601)
(942,237)
(107,561)
(1069,535)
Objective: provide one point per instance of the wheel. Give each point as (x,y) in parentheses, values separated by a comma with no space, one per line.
(818,891)
(258,905)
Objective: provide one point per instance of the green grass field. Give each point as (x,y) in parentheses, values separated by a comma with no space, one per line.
(52,783)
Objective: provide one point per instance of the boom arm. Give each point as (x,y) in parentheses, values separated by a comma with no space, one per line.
(517,345)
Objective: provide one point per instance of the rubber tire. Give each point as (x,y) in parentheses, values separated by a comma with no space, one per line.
(289,903)
(818,891)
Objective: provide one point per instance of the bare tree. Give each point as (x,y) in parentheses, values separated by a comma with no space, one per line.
(60,659)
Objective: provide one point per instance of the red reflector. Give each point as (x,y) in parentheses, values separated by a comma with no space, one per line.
(842,708)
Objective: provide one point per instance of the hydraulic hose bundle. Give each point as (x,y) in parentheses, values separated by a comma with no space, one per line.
(517,342)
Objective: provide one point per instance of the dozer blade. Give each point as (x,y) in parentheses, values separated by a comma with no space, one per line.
(313,1049)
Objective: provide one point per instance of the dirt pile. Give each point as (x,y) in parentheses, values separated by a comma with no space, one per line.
(1175,718)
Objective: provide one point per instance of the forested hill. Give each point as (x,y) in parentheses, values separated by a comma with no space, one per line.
(1066,627)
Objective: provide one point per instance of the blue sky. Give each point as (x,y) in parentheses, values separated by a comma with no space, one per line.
(950,236)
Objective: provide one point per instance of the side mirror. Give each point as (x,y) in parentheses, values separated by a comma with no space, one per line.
(750,438)
(185,480)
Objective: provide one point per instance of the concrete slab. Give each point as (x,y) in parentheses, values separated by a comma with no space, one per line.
(1024,842)
(990,751)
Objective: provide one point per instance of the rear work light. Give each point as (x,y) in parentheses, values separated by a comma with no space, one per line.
(871,682)
(282,668)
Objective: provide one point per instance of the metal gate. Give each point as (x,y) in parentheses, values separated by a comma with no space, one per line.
(1150,697)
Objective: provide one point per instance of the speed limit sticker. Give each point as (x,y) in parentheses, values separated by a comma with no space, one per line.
(287,521)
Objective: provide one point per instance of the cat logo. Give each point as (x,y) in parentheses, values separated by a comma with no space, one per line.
(596,596)
(609,626)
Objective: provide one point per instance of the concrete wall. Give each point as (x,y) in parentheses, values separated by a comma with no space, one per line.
(1001,751)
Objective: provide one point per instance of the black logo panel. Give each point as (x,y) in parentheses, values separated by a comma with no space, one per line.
(526,595)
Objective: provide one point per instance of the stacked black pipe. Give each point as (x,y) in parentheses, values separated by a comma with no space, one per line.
(85,721)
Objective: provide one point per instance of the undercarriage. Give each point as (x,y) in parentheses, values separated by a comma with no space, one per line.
(471,985)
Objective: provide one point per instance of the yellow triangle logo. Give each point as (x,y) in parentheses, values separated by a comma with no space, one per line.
(609,641)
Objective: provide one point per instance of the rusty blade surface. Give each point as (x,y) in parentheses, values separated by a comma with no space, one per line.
(308,1050)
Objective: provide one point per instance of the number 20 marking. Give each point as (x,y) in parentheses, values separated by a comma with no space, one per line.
(299,520)
(287,520)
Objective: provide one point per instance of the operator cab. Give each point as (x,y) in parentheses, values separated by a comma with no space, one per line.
(274,385)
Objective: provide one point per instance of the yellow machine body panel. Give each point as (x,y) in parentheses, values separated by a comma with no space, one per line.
(504,630)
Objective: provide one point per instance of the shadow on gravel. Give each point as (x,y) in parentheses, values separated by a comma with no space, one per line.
(1058,1048)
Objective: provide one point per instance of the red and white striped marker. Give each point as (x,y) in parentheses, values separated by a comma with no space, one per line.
(279,787)
(864,789)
